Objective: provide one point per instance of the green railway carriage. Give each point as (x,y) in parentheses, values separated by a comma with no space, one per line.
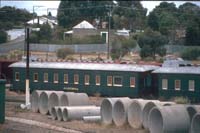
(179,81)
(104,78)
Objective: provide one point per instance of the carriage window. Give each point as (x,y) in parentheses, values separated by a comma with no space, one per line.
(164,84)
(117,81)
(35,77)
(65,78)
(109,81)
(177,84)
(132,81)
(191,85)
(55,78)
(97,80)
(76,79)
(16,76)
(87,79)
(45,77)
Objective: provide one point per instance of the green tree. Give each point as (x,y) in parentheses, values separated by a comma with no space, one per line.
(191,54)
(152,43)
(45,32)
(3,36)
(121,46)
(193,34)
(152,21)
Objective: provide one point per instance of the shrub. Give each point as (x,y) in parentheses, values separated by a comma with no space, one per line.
(64,52)
(191,54)
(3,36)
(181,100)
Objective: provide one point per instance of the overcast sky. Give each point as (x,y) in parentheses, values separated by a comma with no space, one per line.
(54,4)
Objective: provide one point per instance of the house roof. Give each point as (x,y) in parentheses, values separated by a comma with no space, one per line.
(178,70)
(84,25)
(86,66)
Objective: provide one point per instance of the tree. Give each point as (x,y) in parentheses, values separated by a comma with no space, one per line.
(191,54)
(3,36)
(121,46)
(153,21)
(193,34)
(152,43)
(45,32)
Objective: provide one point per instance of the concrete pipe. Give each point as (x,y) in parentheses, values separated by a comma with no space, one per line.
(54,114)
(60,113)
(106,109)
(43,101)
(77,112)
(92,118)
(147,109)
(74,99)
(54,99)
(195,125)
(192,110)
(119,113)
(35,100)
(135,113)
(169,119)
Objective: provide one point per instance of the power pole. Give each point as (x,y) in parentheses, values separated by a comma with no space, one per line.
(108,49)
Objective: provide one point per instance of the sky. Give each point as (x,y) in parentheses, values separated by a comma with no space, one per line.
(29,5)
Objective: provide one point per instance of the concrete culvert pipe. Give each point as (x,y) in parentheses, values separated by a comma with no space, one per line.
(60,113)
(74,99)
(192,110)
(135,113)
(77,112)
(92,118)
(106,109)
(169,119)
(54,111)
(119,114)
(54,99)
(195,125)
(35,100)
(147,109)
(43,101)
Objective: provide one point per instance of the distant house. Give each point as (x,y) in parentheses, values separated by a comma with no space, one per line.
(43,20)
(123,32)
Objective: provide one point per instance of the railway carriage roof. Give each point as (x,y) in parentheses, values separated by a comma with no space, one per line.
(87,66)
(178,70)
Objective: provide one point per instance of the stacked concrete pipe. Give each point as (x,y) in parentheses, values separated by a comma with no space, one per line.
(74,99)
(195,125)
(147,108)
(169,119)
(119,113)
(43,101)
(35,100)
(92,118)
(192,110)
(135,112)
(106,109)
(77,112)
(54,114)
(60,113)
(54,99)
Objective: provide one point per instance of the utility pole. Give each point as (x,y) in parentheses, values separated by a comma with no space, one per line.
(108,48)
(27,69)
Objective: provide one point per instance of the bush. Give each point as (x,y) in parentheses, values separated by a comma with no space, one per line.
(64,52)
(3,36)
(191,54)
(181,100)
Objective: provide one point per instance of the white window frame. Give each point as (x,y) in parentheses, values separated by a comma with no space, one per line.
(35,80)
(131,80)
(118,85)
(191,83)
(85,77)
(98,83)
(108,84)
(17,79)
(76,75)
(54,75)
(164,84)
(65,78)
(45,77)
(178,89)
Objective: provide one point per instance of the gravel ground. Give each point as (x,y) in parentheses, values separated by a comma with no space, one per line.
(13,110)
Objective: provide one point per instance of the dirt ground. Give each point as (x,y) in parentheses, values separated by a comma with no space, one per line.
(13,110)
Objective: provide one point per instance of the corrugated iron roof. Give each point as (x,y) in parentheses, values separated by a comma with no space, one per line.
(178,70)
(87,66)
